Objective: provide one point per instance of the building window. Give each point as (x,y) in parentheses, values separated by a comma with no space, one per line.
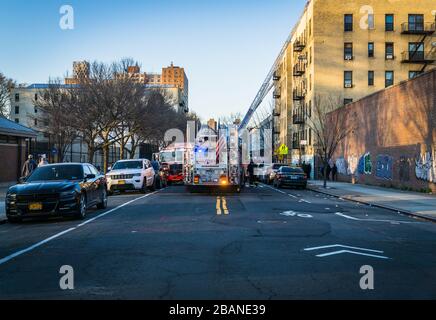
(371,21)
(36,109)
(310,27)
(414,74)
(36,122)
(416,51)
(17,120)
(389,22)
(348,51)
(36,97)
(17,97)
(348,22)
(347,101)
(416,22)
(389,51)
(370,49)
(17,110)
(348,79)
(389,78)
(370,78)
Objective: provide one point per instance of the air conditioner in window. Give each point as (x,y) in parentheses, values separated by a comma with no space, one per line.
(348,85)
(348,57)
(389,56)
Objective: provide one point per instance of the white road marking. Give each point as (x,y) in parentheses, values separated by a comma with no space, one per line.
(374,220)
(36,245)
(342,246)
(293,214)
(352,252)
(302,200)
(291,195)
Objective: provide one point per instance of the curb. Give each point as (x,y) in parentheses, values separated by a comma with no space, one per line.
(405,212)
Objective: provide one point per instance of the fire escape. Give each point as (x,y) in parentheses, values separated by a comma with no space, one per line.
(299,91)
(416,53)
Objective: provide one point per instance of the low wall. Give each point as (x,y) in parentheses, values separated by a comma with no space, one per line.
(393,143)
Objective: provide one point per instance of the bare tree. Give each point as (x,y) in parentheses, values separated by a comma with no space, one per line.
(54,117)
(329,128)
(6,86)
(230,119)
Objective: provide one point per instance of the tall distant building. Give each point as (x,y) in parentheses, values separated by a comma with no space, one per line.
(173,81)
(81,70)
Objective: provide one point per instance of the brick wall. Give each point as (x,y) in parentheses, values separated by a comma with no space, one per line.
(394,143)
(10,163)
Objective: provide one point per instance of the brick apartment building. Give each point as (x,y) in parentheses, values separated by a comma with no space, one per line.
(394,144)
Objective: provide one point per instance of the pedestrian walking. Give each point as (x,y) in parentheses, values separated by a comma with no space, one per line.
(309,170)
(328,171)
(334,173)
(250,171)
(28,167)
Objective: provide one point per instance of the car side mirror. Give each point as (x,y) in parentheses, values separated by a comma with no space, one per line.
(22,180)
(90,176)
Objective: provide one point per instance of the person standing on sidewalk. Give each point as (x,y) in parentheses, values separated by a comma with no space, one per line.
(42,161)
(28,167)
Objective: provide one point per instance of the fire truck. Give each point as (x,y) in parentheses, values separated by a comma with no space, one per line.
(213,160)
(171,159)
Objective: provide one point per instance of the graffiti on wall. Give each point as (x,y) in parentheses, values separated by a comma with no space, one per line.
(353,163)
(425,167)
(341,163)
(365,164)
(404,169)
(384,169)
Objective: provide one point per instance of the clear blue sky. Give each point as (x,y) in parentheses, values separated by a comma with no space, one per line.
(226,47)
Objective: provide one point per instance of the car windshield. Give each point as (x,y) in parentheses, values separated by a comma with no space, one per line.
(176,169)
(291,170)
(51,173)
(127,165)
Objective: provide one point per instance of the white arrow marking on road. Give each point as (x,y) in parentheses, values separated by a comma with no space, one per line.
(373,220)
(352,252)
(347,251)
(341,246)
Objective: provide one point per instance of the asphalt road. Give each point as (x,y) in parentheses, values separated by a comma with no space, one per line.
(176,245)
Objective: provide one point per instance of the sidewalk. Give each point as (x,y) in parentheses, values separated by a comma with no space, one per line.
(410,203)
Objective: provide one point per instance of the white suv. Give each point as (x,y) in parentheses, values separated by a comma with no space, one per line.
(135,174)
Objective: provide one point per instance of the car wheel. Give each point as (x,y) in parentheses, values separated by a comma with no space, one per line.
(153,186)
(81,211)
(103,203)
(144,187)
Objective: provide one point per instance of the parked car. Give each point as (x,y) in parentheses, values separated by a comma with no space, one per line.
(161,177)
(57,190)
(290,176)
(135,174)
(271,172)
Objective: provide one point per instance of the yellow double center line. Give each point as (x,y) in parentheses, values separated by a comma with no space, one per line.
(221,206)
